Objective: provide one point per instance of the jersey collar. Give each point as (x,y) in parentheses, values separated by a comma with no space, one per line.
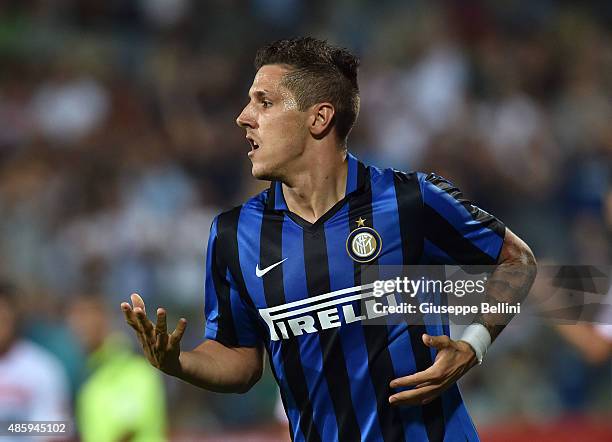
(355,181)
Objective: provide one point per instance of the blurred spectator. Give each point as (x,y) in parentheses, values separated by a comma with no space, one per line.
(594,341)
(33,385)
(68,109)
(123,398)
(46,326)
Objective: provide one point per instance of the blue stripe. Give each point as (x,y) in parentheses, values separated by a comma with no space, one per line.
(293,412)
(279,198)
(293,250)
(351,178)
(243,323)
(249,231)
(386,222)
(310,350)
(459,424)
(460,218)
(341,275)
(211,305)
(433,321)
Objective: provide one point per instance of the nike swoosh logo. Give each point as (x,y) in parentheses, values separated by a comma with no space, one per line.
(260,272)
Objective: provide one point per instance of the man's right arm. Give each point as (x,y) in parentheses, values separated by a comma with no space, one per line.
(215,367)
(211,365)
(231,359)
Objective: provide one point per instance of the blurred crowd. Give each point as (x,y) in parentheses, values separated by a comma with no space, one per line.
(118,146)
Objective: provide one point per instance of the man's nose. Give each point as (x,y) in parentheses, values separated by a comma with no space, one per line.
(245,120)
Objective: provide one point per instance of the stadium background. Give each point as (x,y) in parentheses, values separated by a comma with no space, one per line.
(118,146)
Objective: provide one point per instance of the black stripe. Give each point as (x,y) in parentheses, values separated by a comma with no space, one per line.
(409,203)
(486,219)
(283,399)
(380,364)
(270,251)
(226,332)
(334,364)
(363,176)
(441,233)
(227,240)
(271,198)
(411,216)
(227,233)
(433,413)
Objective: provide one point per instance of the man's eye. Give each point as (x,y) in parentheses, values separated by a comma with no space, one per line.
(267,103)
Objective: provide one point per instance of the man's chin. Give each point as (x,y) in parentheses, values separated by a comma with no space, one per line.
(262,173)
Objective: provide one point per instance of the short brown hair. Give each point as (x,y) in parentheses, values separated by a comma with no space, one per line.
(320,72)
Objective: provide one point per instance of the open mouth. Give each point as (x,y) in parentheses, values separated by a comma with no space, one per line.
(254,145)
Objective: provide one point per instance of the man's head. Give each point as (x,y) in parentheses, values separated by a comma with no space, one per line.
(304,90)
(87,317)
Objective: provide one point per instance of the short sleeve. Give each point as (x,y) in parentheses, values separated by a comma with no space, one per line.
(228,319)
(455,230)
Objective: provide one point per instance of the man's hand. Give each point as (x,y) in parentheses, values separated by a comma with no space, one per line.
(453,360)
(162,350)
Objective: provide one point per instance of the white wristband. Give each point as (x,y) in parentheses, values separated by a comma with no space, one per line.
(479,339)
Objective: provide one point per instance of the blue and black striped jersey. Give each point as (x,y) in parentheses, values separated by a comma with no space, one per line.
(274,279)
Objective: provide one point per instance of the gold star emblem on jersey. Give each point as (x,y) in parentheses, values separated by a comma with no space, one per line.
(364,243)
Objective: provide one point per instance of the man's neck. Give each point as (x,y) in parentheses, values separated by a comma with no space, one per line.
(315,189)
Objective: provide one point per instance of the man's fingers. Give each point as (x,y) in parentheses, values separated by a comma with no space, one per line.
(421,377)
(161,342)
(144,322)
(131,318)
(129,315)
(415,396)
(138,302)
(437,342)
(160,326)
(141,316)
(133,322)
(161,330)
(177,334)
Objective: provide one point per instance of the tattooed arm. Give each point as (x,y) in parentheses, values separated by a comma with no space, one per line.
(510,282)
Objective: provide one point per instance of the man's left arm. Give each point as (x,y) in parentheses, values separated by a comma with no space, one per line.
(510,282)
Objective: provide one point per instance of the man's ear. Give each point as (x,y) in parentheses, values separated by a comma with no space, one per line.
(321,120)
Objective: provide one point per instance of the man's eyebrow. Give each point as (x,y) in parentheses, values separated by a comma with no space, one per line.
(260,93)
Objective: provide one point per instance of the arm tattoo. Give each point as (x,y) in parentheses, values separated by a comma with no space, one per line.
(509,283)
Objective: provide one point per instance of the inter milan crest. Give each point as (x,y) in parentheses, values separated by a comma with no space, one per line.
(364,243)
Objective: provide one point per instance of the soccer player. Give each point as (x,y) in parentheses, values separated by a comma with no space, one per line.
(284,270)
